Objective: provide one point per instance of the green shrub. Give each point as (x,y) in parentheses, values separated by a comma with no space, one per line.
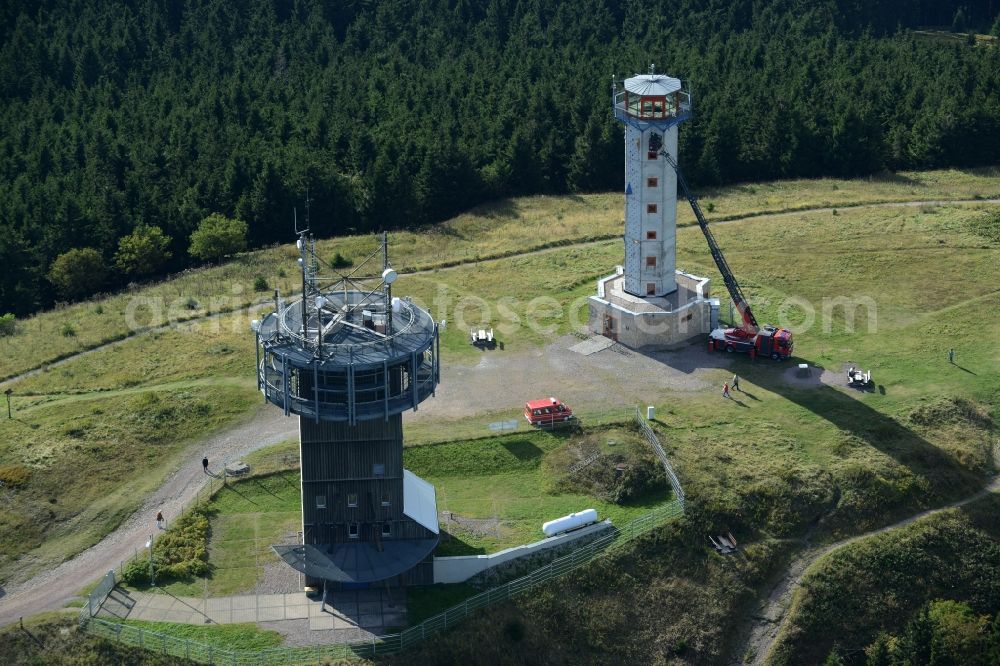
(260,283)
(78,272)
(218,236)
(8,324)
(340,261)
(180,553)
(68,331)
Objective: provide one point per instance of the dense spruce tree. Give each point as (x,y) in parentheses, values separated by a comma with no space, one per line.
(403,112)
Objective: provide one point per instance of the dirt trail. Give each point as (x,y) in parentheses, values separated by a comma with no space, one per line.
(52,589)
(771,617)
(749,216)
(464,384)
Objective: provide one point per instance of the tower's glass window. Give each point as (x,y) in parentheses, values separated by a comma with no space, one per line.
(651,155)
(650,235)
(652,182)
(650,208)
(320,501)
(651,289)
(353,531)
(386,499)
(378,469)
(352,499)
(386,529)
(651,262)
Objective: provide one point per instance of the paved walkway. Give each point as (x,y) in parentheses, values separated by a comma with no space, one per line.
(372,610)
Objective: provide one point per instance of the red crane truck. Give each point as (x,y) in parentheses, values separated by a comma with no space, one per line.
(751,338)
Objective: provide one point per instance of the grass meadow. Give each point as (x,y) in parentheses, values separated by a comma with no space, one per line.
(493,230)
(779,461)
(507,485)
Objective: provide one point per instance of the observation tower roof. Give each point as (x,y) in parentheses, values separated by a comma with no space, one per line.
(652,84)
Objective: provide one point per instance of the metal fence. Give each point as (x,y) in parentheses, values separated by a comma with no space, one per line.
(98,595)
(205,653)
(654,442)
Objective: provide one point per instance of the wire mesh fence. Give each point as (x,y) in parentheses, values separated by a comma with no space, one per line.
(654,442)
(206,653)
(610,541)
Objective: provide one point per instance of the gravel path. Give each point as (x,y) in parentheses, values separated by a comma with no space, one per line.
(497,381)
(52,589)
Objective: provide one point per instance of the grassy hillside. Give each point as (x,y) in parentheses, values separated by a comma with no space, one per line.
(489,231)
(869,587)
(782,459)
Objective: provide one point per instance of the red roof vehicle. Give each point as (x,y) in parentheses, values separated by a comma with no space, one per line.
(546,411)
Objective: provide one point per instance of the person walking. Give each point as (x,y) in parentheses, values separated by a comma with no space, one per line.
(204,464)
(951,356)
(736,383)
(725,390)
(159,519)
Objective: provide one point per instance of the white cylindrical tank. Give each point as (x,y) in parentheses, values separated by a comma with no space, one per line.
(570,522)
(650,413)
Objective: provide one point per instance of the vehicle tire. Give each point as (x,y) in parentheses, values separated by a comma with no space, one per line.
(730,349)
(775,357)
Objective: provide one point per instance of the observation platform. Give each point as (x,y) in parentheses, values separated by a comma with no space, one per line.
(652,101)
(351,357)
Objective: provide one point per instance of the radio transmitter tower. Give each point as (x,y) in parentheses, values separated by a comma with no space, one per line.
(348,359)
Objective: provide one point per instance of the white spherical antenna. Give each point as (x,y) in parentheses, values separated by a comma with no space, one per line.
(389,276)
(396,304)
(255,325)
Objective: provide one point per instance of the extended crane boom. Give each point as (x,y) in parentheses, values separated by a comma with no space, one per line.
(740,301)
(756,340)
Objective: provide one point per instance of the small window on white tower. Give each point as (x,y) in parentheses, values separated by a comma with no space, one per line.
(386,529)
(386,499)
(352,499)
(353,531)
(320,501)
(652,182)
(651,155)
(650,208)
(650,235)
(651,289)
(651,262)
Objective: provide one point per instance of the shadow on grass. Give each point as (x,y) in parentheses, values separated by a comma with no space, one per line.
(264,488)
(452,545)
(233,488)
(878,430)
(523,449)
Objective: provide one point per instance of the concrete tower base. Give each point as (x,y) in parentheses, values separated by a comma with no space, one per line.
(652,323)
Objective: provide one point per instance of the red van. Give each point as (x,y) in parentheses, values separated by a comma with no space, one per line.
(546,411)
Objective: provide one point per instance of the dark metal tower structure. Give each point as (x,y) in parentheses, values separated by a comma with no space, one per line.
(348,359)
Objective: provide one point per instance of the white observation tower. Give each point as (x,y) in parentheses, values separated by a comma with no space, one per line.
(651,106)
(647,302)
